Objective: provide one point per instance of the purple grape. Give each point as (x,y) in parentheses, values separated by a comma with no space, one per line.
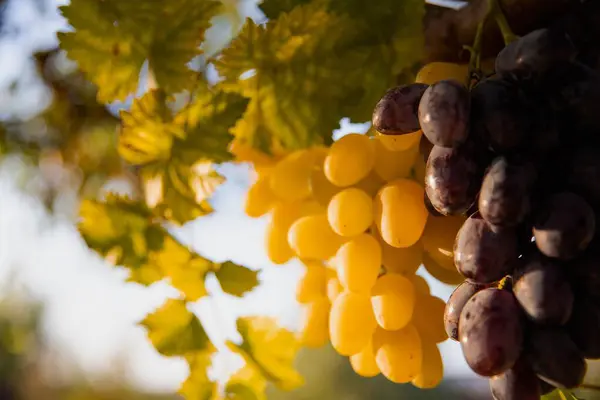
(536,53)
(584,327)
(455,305)
(500,116)
(518,383)
(504,196)
(397,111)
(584,174)
(491,332)
(452,179)
(425,147)
(444,113)
(543,291)
(564,227)
(585,273)
(482,254)
(555,358)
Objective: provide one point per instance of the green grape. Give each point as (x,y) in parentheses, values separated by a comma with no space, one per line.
(398,354)
(350,212)
(405,261)
(400,142)
(421,285)
(438,239)
(315,328)
(350,159)
(313,285)
(358,262)
(432,369)
(364,363)
(290,178)
(334,288)
(390,164)
(351,323)
(283,216)
(400,214)
(428,318)
(311,237)
(393,299)
(438,71)
(440,273)
(259,199)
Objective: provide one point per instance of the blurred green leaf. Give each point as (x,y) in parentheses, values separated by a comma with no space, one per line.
(270,348)
(235,279)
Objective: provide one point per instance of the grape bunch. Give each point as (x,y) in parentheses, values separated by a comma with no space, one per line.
(517,156)
(355,215)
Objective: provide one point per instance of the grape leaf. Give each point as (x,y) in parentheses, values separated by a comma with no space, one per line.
(147,130)
(236,279)
(286,69)
(198,386)
(176,331)
(247,383)
(177,151)
(114,38)
(123,231)
(270,348)
(272,8)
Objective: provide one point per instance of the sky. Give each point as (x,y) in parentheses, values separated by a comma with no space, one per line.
(91,312)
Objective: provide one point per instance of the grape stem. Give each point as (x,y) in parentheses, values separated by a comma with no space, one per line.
(498,14)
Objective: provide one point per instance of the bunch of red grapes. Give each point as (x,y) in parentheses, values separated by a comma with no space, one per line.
(519,153)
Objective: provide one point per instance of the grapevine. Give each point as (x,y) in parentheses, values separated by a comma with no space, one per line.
(482,170)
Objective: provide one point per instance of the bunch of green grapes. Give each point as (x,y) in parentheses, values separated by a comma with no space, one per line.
(355,214)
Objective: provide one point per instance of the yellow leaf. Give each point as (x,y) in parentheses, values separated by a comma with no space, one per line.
(198,386)
(270,348)
(147,131)
(176,331)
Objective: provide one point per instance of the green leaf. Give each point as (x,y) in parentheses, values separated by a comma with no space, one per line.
(198,386)
(246,384)
(123,232)
(177,39)
(272,8)
(180,192)
(270,348)
(113,38)
(105,46)
(208,120)
(147,130)
(236,279)
(177,151)
(176,331)
(286,69)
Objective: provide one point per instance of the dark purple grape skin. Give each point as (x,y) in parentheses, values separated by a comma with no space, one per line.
(584,174)
(564,227)
(555,358)
(584,327)
(491,332)
(543,291)
(455,305)
(397,111)
(585,274)
(430,208)
(518,383)
(504,197)
(499,115)
(482,254)
(536,54)
(452,179)
(444,113)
